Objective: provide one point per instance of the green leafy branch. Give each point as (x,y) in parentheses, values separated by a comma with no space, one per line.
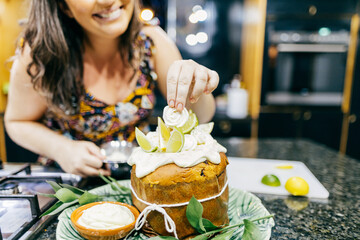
(208,230)
(68,195)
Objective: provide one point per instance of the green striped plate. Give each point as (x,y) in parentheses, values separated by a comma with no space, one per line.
(242,205)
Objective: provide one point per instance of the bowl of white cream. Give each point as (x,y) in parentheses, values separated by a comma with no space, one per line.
(117,154)
(104,220)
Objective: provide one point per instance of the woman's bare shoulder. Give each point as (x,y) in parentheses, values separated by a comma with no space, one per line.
(22,59)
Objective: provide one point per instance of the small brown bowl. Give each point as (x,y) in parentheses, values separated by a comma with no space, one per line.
(102,234)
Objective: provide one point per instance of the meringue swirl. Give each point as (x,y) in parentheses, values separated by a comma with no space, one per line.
(174,118)
(190,143)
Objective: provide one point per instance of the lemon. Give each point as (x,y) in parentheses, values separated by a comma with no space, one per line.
(143,141)
(206,127)
(271,180)
(190,124)
(285,167)
(176,141)
(297,186)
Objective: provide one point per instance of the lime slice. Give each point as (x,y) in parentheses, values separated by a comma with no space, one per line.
(143,141)
(164,130)
(271,180)
(190,124)
(206,127)
(164,134)
(297,186)
(176,141)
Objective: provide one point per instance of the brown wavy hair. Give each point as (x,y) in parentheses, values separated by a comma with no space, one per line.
(56,43)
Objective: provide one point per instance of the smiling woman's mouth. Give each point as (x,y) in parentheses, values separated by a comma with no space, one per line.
(109,15)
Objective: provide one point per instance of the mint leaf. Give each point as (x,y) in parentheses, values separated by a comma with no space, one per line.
(65,195)
(87,198)
(224,236)
(251,231)
(54,185)
(194,212)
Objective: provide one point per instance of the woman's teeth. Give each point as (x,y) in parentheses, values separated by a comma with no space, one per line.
(112,15)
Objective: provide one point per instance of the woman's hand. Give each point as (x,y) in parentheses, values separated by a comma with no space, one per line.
(82,158)
(187,79)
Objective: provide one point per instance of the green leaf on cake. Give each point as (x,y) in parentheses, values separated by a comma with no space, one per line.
(194,212)
(208,225)
(251,231)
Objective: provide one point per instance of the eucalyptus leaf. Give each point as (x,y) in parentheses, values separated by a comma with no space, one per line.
(52,208)
(251,231)
(54,185)
(88,198)
(208,225)
(121,187)
(58,207)
(194,212)
(163,238)
(75,190)
(46,195)
(224,236)
(201,237)
(65,195)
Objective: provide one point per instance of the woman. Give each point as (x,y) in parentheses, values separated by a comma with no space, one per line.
(85,74)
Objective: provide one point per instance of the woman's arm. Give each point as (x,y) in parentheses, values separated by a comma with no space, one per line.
(24,109)
(183,82)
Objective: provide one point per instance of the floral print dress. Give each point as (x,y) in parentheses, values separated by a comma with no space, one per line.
(99,122)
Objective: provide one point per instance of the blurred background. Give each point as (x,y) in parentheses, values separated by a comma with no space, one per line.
(288,69)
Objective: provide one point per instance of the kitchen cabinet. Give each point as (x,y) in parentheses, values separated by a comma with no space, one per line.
(311,7)
(323,126)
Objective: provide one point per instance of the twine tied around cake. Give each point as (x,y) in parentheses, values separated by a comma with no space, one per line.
(169,223)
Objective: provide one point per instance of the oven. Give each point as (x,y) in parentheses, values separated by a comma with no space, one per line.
(306,51)
(306,67)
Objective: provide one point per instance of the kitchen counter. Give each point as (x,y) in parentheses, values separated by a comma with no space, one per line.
(298,217)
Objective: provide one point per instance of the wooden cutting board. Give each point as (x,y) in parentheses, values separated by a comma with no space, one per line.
(246,174)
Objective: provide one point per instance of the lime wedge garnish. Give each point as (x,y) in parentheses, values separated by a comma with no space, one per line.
(271,180)
(143,141)
(176,141)
(190,124)
(164,134)
(164,130)
(206,127)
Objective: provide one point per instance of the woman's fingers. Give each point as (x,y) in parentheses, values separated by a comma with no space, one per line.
(185,80)
(213,81)
(201,80)
(172,82)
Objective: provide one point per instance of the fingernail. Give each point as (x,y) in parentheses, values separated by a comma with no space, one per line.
(179,107)
(172,103)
